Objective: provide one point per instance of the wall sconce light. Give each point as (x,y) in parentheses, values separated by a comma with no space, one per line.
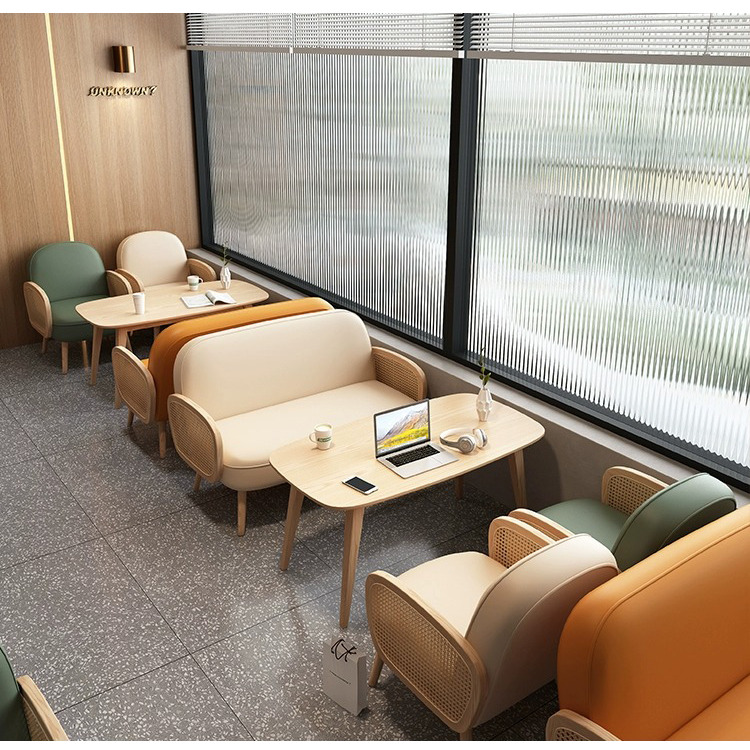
(124,59)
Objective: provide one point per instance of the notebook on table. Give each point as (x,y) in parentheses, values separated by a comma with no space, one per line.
(209,298)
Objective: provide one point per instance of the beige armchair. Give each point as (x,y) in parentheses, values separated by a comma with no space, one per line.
(149,258)
(471,634)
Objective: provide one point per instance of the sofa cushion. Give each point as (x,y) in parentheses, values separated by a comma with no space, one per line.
(585,516)
(64,311)
(155,257)
(250,438)
(244,369)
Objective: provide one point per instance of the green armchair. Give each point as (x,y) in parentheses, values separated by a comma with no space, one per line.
(24,712)
(62,275)
(639,515)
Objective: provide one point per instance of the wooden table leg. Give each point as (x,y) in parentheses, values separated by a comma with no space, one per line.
(458,487)
(290,528)
(518,478)
(352,535)
(96,347)
(121,339)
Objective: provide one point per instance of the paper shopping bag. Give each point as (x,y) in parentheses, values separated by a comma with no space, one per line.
(345,675)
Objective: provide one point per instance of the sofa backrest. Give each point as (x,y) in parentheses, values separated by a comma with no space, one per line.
(670,514)
(244,369)
(517,626)
(649,650)
(169,342)
(154,257)
(68,269)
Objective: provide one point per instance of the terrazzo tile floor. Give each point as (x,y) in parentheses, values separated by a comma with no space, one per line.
(129,599)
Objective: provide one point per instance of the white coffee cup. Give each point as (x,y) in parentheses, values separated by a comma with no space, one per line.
(139,302)
(322,436)
(193,282)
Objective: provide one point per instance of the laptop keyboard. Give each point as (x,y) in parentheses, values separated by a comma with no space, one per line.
(408,457)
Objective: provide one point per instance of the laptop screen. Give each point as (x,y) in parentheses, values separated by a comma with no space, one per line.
(402,427)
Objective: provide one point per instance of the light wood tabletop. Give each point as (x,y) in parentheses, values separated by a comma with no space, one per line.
(163,306)
(319,474)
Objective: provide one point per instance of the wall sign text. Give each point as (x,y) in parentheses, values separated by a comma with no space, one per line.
(122,90)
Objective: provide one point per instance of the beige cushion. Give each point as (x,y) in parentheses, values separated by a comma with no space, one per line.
(244,369)
(250,438)
(153,257)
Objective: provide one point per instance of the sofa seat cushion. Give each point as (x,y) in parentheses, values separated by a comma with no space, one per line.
(453,585)
(725,719)
(64,310)
(249,439)
(591,517)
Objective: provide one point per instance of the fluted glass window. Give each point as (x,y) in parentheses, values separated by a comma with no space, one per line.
(333,169)
(612,242)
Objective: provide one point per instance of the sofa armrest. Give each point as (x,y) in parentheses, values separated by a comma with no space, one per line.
(627,489)
(400,373)
(195,437)
(117,284)
(428,654)
(568,726)
(38,308)
(40,718)
(510,540)
(540,523)
(134,383)
(132,279)
(202,269)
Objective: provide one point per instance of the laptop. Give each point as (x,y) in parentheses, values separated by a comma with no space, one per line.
(402,440)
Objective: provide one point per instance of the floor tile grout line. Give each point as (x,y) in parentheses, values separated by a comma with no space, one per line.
(221,695)
(20,425)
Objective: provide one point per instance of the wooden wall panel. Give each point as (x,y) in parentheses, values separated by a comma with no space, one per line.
(131,160)
(32,199)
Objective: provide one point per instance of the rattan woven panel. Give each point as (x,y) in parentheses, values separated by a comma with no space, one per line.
(508,546)
(36,731)
(391,371)
(39,312)
(193,438)
(421,654)
(133,386)
(563,734)
(626,494)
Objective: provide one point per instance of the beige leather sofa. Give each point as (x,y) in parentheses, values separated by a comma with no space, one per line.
(242,393)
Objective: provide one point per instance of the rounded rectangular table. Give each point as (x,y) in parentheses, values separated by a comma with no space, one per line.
(319,474)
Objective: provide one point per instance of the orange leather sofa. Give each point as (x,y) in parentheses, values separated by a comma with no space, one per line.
(146,385)
(662,651)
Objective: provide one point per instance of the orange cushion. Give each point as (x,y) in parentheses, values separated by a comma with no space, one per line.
(169,342)
(655,647)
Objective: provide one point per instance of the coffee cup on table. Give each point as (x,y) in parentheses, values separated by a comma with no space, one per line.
(193,282)
(139,302)
(322,436)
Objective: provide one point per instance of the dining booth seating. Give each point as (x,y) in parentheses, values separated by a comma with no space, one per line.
(662,651)
(145,385)
(24,712)
(242,393)
(639,515)
(472,634)
(61,276)
(154,257)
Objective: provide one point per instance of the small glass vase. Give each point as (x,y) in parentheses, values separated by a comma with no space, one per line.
(225,276)
(484,404)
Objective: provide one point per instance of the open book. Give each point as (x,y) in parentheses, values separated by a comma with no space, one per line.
(209,298)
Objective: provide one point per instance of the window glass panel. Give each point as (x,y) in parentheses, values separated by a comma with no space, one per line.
(612,247)
(333,169)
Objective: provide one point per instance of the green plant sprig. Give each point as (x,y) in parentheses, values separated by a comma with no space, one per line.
(484,373)
(224,255)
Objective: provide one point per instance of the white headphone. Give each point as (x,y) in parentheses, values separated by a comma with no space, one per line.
(468,440)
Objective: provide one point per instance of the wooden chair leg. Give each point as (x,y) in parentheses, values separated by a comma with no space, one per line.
(458,487)
(44,345)
(377,668)
(162,439)
(65,357)
(85,353)
(197,482)
(465,735)
(130,418)
(241,512)
(156,330)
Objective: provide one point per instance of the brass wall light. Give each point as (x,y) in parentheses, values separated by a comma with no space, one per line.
(124,59)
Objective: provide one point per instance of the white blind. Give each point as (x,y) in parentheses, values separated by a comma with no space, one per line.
(436,32)
(639,34)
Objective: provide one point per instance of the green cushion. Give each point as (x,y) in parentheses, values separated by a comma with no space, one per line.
(12,720)
(591,517)
(68,269)
(64,310)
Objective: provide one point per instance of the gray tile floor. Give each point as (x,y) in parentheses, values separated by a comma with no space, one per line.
(141,615)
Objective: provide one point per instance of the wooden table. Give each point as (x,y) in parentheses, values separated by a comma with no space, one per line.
(163,305)
(318,474)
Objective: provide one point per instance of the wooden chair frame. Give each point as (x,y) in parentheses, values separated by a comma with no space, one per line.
(40,718)
(626,489)
(568,725)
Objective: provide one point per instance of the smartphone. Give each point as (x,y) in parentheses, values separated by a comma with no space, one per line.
(360,485)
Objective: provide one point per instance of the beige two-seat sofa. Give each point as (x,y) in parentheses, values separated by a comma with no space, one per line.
(242,393)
